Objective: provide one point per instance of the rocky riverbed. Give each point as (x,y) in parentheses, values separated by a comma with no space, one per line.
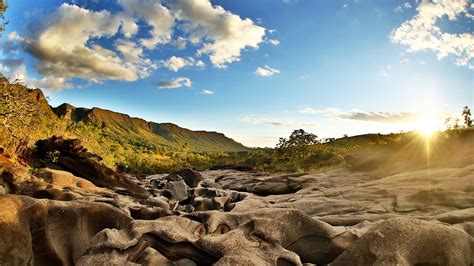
(75,210)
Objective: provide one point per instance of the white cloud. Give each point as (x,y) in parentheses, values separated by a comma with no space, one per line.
(400,8)
(15,69)
(388,117)
(156,15)
(309,110)
(14,36)
(207,92)
(128,25)
(225,34)
(266,71)
(175,83)
(274,41)
(422,33)
(175,63)
(65,48)
(274,122)
(200,63)
(356,114)
(130,51)
(180,43)
(69,42)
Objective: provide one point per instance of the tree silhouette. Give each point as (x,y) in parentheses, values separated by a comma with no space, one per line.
(297,145)
(466,113)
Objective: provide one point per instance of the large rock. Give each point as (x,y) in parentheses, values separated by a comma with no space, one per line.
(190,177)
(403,241)
(265,237)
(45,232)
(72,156)
(49,149)
(263,186)
(312,240)
(102,176)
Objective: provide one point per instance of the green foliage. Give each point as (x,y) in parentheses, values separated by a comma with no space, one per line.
(3,8)
(454,123)
(466,114)
(25,117)
(22,118)
(297,145)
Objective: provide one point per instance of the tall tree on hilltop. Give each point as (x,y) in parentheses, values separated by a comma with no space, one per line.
(297,145)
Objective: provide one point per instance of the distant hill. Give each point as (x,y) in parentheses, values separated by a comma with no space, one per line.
(137,130)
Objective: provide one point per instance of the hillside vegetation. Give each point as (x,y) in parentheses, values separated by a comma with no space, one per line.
(138,146)
(121,140)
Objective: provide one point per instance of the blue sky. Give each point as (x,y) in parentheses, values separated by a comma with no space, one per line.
(254,70)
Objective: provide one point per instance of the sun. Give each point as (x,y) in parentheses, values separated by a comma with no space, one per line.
(427,125)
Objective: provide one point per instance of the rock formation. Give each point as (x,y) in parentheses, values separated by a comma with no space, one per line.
(72,209)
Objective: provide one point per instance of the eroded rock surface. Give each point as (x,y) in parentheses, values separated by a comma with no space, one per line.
(74,210)
(50,232)
(403,241)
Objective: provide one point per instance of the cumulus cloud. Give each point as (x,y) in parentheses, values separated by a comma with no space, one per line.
(266,71)
(180,43)
(71,42)
(207,92)
(175,63)
(422,32)
(175,83)
(274,122)
(225,34)
(65,48)
(156,15)
(356,114)
(200,63)
(274,41)
(15,69)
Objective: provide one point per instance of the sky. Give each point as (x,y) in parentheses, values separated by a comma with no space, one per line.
(253,70)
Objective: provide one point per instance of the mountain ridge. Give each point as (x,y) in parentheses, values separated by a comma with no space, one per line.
(168,134)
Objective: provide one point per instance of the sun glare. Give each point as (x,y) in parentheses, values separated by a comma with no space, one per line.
(427,125)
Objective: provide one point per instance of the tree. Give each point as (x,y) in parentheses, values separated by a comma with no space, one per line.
(466,113)
(17,108)
(3,8)
(184,150)
(297,145)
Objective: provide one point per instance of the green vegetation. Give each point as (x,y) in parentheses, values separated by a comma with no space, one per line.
(3,8)
(137,146)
